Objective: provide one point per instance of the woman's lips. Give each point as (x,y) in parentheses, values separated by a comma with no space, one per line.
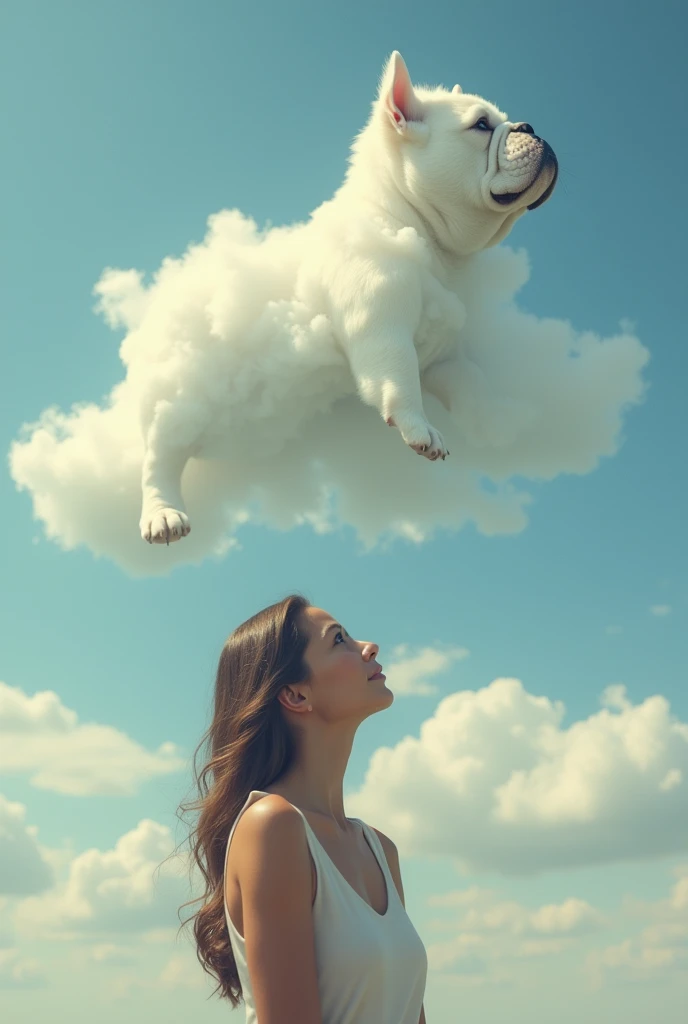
(378,675)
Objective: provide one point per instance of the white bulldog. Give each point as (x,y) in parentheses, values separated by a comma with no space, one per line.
(434,177)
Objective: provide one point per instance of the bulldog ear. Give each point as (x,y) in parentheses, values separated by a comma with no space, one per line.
(400,103)
(457,88)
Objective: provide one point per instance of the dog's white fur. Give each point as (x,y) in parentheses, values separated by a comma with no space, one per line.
(375,267)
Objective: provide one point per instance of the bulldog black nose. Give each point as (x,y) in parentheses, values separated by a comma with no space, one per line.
(523,126)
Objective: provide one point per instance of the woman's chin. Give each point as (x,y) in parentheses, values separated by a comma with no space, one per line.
(387,697)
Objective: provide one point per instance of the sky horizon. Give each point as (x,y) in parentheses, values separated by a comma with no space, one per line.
(554,879)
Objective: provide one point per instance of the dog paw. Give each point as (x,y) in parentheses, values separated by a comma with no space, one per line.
(421,436)
(164,526)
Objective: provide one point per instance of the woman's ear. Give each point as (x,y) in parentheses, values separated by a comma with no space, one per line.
(295,698)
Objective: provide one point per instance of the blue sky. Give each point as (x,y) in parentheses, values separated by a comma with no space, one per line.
(125,127)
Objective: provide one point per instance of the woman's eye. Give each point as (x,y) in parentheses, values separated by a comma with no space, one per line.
(339,636)
(483,124)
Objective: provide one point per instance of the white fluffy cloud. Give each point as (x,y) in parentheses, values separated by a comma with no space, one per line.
(41,737)
(296,446)
(495,781)
(23,869)
(132,888)
(408,672)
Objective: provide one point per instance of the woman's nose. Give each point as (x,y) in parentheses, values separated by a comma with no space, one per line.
(370,651)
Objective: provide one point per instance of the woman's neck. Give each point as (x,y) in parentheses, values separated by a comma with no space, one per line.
(315,781)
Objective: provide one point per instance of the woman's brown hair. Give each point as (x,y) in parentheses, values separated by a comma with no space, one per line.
(248,746)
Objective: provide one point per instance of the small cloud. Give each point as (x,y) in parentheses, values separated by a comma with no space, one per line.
(44,739)
(571,916)
(18,972)
(133,888)
(614,630)
(660,610)
(673,778)
(615,697)
(490,937)
(111,955)
(480,910)
(408,674)
(181,972)
(23,868)
(459,897)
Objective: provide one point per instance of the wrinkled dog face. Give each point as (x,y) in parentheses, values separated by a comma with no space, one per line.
(522,168)
(459,160)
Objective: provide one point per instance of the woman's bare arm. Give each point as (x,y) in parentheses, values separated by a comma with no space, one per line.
(392,855)
(273,869)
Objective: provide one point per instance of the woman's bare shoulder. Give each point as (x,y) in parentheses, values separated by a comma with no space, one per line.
(269,838)
(268,825)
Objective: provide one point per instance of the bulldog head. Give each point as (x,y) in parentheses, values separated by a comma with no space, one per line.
(465,168)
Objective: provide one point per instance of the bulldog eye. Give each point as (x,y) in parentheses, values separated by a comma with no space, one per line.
(483,125)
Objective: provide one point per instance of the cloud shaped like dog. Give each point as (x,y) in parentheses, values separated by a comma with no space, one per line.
(299,446)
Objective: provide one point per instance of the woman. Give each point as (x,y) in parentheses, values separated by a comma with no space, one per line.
(303,914)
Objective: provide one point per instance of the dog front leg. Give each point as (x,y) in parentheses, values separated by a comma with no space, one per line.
(385,368)
(163,518)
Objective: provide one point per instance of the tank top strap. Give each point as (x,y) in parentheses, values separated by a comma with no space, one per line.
(319,855)
(378,849)
(314,846)
(247,803)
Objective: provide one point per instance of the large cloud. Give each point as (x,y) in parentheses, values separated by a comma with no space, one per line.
(41,737)
(298,446)
(495,781)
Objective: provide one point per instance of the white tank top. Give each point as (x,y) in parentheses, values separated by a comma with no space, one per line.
(371,967)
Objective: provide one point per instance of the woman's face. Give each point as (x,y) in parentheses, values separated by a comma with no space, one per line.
(346,681)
